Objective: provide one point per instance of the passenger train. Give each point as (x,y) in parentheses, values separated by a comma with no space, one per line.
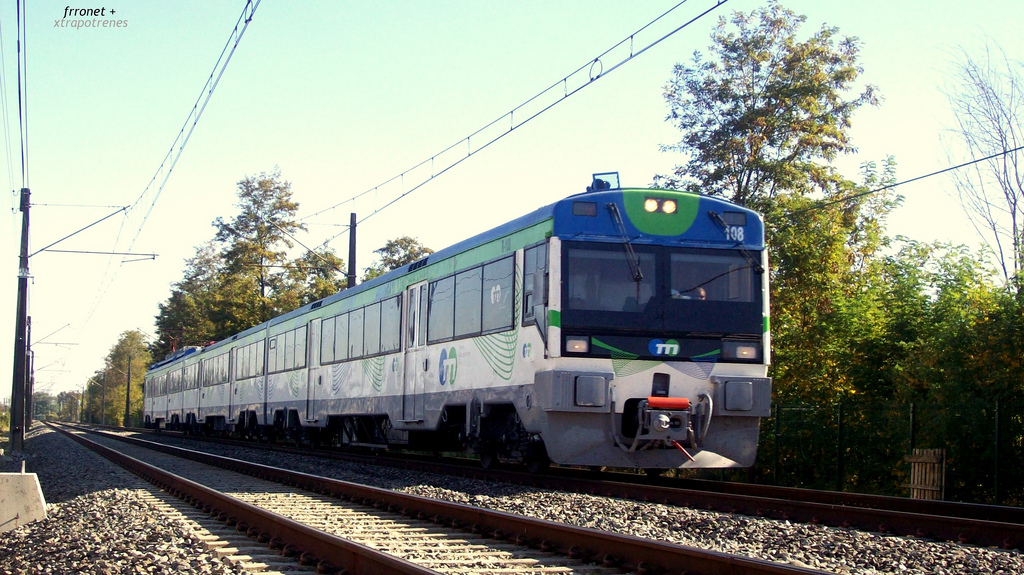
(617,327)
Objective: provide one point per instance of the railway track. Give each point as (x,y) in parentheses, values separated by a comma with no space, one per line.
(976,524)
(339,525)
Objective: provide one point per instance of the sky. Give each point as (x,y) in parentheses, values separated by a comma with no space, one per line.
(343,96)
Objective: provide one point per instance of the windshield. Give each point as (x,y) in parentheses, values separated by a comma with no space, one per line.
(683,290)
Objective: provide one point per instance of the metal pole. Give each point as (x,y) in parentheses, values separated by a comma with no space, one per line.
(103,401)
(913,438)
(775,464)
(128,395)
(840,471)
(995,482)
(351,278)
(20,379)
(30,381)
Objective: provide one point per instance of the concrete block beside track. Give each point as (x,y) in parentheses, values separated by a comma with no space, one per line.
(21,500)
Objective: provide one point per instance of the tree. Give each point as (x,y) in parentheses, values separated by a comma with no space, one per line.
(243,277)
(256,239)
(395,254)
(108,387)
(987,100)
(316,275)
(760,114)
(186,317)
(761,118)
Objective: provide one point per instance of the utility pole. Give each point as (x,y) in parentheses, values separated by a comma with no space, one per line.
(128,394)
(351,279)
(30,379)
(103,400)
(20,382)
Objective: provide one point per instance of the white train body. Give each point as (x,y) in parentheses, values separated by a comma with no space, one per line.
(596,331)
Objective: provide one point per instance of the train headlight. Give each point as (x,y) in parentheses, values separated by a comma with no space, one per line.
(741,350)
(575,344)
(662,205)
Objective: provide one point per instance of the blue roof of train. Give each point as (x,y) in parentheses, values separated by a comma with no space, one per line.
(704,231)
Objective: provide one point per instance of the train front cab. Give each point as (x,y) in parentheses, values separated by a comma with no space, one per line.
(657,334)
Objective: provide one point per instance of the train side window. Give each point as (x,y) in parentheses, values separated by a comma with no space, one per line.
(423,316)
(355,334)
(371,329)
(497,295)
(391,325)
(300,347)
(254,364)
(272,356)
(441,311)
(414,312)
(341,337)
(289,350)
(241,363)
(327,340)
(260,349)
(535,267)
(468,302)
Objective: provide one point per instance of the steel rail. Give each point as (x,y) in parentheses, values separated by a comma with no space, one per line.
(635,554)
(337,552)
(984,525)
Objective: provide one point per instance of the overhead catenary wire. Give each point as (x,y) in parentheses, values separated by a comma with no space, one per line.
(850,197)
(23,93)
(5,110)
(561,90)
(153,189)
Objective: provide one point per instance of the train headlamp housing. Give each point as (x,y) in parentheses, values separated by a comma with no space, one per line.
(741,350)
(663,205)
(577,344)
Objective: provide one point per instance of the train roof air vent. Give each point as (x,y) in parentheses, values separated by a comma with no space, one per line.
(316,304)
(418,264)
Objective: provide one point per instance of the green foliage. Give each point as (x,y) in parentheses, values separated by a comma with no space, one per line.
(244,276)
(105,391)
(862,325)
(759,114)
(395,254)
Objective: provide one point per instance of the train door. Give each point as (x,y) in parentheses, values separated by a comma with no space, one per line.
(313,377)
(415,352)
(232,387)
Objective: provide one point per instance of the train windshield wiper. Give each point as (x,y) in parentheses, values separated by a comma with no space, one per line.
(631,259)
(754,264)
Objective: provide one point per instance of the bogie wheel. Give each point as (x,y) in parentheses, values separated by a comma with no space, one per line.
(488,457)
(537,460)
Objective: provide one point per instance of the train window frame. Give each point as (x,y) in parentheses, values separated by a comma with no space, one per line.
(327,340)
(355,338)
(371,329)
(467,317)
(340,347)
(505,295)
(192,376)
(529,299)
(288,350)
(391,325)
(435,321)
(215,369)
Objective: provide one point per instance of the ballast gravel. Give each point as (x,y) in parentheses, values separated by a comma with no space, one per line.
(94,523)
(90,490)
